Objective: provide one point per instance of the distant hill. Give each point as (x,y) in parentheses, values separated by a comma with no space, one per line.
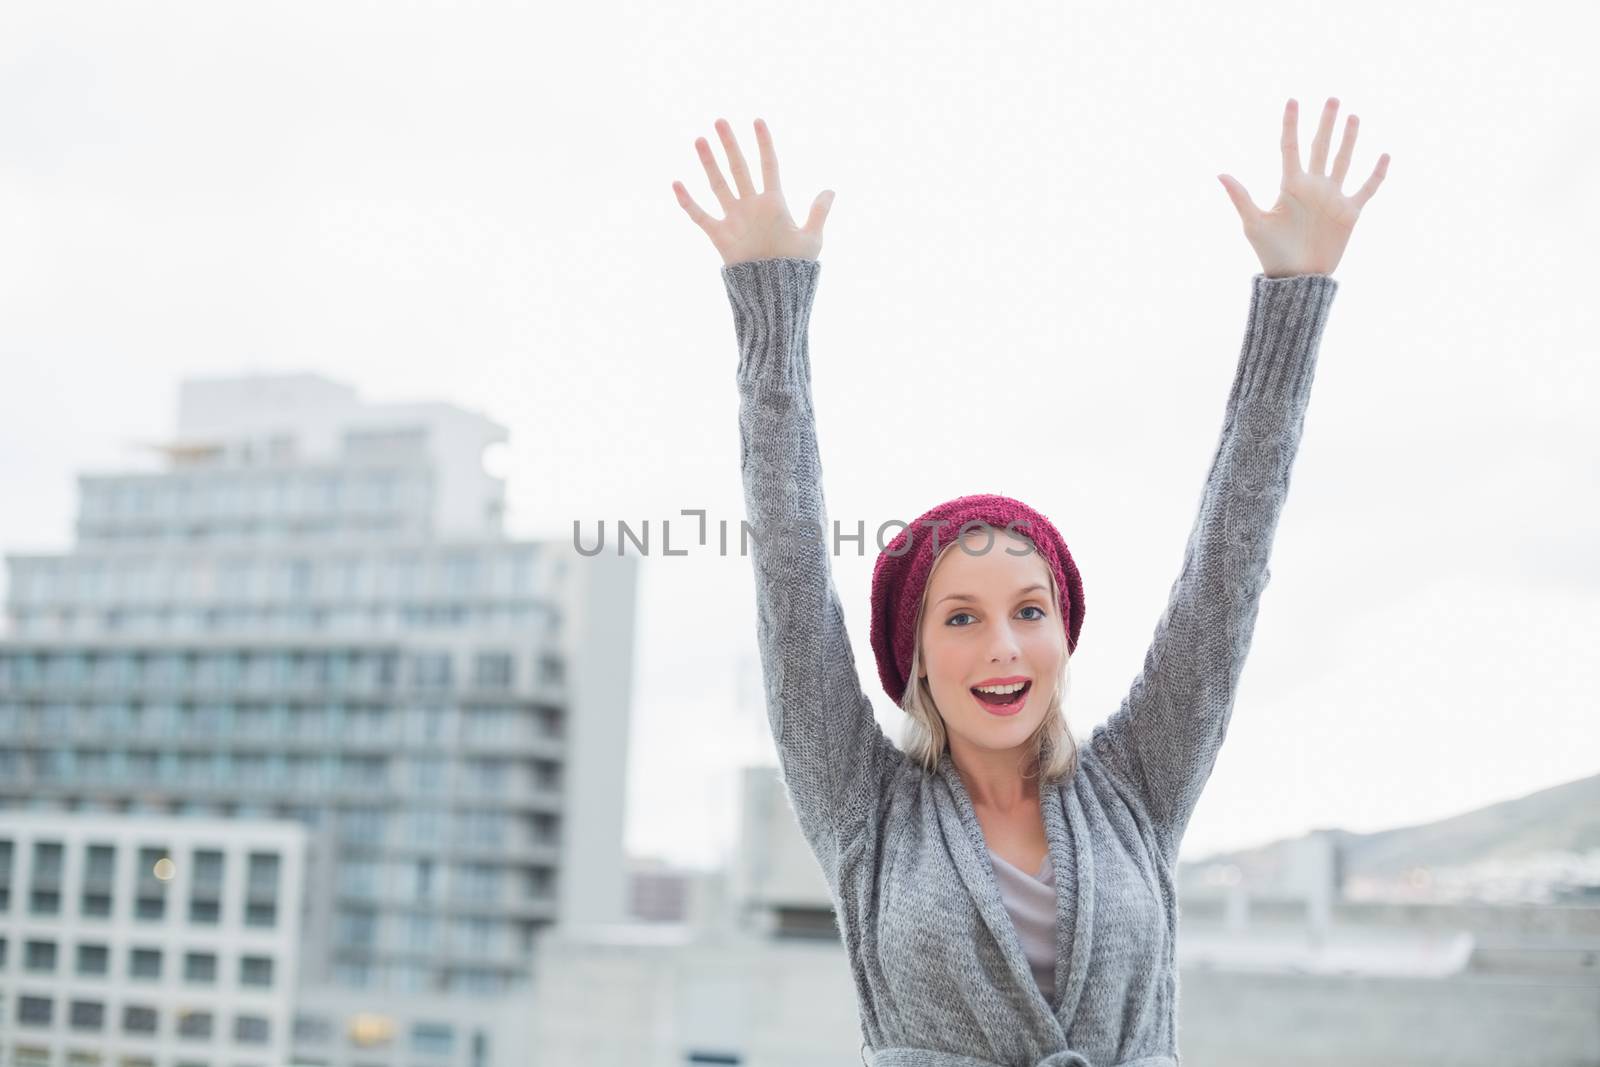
(1562,818)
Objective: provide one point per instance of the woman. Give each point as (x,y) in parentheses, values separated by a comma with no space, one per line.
(1004,897)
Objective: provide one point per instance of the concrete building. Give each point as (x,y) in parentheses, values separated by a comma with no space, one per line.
(755,973)
(133,941)
(311,612)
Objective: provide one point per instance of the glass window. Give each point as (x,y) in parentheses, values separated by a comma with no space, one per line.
(476,980)
(477,881)
(252,1030)
(358,878)
(422,933)
(87,1015)
(255,971)
(200,968)
(474,936)
(98,877)
(40,957)
(362,771)
(194,1024)
(45,896)
(261,906)
(94,959)
(480,827)
(408,977)
(435,1038)
(35,1011)
(486,776)
(424,879)
(205,901)
(151,901)
(32,1056)
(387,671)
(427,824)
(144,963)
(312,1029)
(358,929)
(494,670)
(431,670)
(428,773)
(138,1019)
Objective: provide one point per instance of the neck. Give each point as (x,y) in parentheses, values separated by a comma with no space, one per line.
(995,780)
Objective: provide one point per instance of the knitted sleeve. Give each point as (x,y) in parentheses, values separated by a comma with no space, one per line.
(832,754)
(1169,728)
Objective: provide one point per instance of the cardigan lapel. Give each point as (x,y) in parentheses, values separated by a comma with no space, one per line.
(977,872)
(1073,855)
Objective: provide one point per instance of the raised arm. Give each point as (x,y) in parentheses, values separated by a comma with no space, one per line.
(1172,722)
(831,751)
(833,754)
(1169,728)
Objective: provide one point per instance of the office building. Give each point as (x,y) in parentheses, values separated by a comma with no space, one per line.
(310,610)
(133,941)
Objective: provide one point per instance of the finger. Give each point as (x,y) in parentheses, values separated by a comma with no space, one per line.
(819,211)
(1341,162)
(1365,192)
(736,165)
(1248,212)
(714,173)
(769,158)
(701,219)
(1319,143)
(1290,141)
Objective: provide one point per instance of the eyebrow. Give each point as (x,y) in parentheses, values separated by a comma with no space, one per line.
(969,596)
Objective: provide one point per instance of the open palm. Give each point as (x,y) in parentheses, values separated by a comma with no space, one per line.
(755,225)
(1306,231)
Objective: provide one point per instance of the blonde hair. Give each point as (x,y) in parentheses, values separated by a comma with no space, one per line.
(1053,750)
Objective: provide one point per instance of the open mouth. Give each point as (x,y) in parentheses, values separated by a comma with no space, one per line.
(1004,703)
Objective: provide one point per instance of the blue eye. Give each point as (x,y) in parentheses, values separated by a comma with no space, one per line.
(1031,607)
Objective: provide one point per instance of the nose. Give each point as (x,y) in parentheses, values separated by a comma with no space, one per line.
(1005,645)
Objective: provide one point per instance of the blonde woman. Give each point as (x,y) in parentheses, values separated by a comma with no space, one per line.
(1006,897)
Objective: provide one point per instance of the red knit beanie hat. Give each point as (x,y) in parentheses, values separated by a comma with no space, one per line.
(905,564)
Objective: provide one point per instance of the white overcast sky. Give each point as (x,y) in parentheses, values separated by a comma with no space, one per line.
(1032,284)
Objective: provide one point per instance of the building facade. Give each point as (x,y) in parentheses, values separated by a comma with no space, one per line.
(310,611)
(131,941)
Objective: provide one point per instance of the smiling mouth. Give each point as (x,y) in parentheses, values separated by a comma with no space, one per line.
(1008,704)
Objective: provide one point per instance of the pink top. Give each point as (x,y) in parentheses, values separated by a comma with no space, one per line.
(1031,900)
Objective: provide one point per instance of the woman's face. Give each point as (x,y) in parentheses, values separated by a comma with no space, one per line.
(990,615)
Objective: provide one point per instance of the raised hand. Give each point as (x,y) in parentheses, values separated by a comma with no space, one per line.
(1306,231)
(756,225)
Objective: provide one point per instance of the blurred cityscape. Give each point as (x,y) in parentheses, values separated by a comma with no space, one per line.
(304,761)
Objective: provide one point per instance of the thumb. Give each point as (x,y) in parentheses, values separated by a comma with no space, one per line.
(819,211)
(1241,199)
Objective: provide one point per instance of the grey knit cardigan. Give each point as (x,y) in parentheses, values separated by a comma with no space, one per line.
(940,976)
